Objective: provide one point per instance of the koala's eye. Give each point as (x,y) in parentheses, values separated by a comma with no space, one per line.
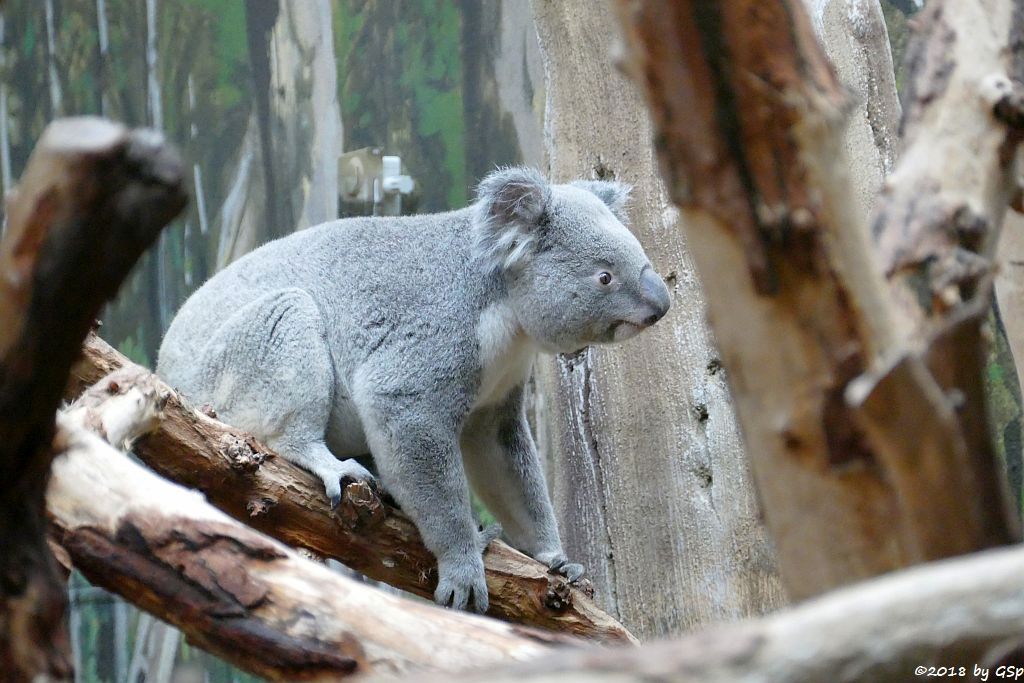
(604,277)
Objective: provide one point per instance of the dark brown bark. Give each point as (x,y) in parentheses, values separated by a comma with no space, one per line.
(92,198)
(250,483)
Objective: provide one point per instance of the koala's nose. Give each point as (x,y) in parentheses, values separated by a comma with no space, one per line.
(655,293)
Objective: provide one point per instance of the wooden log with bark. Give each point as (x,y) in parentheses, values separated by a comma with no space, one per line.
(249,482)
(92,198)
(232,590)
(748,118)
(951,615)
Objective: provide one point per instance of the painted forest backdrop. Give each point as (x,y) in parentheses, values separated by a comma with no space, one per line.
(262,96)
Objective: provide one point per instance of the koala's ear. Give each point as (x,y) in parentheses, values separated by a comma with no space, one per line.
(614,194)
(510,206)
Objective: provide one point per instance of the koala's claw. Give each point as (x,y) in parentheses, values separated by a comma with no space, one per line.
(462,585)
(339,476)
(558,563)
(572,571)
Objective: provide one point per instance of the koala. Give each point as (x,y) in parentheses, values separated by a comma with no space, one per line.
(410,340)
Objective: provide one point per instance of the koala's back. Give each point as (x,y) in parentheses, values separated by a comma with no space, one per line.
(365,275)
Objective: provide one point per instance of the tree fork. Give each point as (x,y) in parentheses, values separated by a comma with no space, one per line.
(92,198)
(249,482)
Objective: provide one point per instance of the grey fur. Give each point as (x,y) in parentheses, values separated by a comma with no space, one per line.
(411,339)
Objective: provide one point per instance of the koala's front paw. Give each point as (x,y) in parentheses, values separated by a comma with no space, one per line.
(341,473)
(558,563)
(461,583)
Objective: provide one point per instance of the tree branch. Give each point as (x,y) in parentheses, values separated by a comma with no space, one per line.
(938,220)
(939,217)
(250,483)
(92,198)
(954,613)
(232,590)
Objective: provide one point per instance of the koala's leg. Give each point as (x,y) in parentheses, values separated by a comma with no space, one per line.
(269,372)
(419,463)
(503,466)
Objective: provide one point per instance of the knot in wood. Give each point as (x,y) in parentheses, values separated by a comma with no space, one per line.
(361,506)
(558,597)
(259,506)
(243,453)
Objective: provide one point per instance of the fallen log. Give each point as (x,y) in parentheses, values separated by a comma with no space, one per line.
(93,196)
(232,590)
(249,482)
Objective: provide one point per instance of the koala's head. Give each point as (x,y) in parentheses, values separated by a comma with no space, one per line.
(575,274)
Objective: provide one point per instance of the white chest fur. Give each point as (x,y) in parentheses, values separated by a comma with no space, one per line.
(506,354)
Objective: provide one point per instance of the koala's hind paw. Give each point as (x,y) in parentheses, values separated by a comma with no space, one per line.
(338,476)
(462,584)
(559,564)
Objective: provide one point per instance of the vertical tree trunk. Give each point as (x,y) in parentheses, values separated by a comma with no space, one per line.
(499,49)
(861,460)
(294,165)
(5,137)
(163,288)
(102,53)
(52,79)
(519,72)
(650,477)
(854,36)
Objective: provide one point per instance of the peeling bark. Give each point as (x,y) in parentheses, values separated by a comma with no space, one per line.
(92,197)
(250,483)
(941,210)
(749,120)
(940,214)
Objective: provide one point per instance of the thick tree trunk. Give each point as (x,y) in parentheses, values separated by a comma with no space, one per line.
(961,615)
(232,590)
(91,199)
(1009,286)
(650,479)
(250,483)
(856,477)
